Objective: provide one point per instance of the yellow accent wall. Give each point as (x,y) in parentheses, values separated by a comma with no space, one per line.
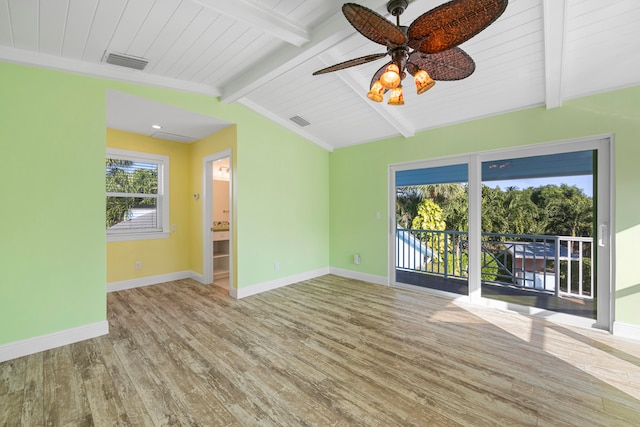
(158,256)
(182,250)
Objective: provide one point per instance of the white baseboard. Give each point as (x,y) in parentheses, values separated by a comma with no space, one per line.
(626,330)
(152,280)
(198,277)
(57,339)
(365,277)
(278,283)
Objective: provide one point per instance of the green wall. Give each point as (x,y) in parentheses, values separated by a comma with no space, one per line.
(284,184)
(53,251)
(52,248)
(359,178)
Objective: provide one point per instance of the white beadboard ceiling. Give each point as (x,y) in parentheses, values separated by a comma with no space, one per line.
(261,53)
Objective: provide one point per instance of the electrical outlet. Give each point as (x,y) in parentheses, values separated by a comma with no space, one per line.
(174,228)
(356,259)
(138,265)
(276,266)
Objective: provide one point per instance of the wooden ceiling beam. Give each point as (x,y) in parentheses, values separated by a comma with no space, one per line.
(331,32)
(554,43)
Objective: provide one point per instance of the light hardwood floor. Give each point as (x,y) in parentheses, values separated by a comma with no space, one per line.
(326,352)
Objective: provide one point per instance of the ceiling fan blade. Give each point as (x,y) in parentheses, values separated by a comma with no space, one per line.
(351,63)
(452,64)
(372,25)
(453,23)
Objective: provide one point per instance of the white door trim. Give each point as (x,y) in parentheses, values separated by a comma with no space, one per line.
(207,215)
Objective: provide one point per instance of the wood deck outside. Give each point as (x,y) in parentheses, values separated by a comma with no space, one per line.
(327,351)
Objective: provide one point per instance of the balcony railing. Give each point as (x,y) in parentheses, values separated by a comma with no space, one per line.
(559,265)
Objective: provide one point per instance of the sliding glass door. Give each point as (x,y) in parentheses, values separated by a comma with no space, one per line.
(538,232)
(524,229)
(431,228)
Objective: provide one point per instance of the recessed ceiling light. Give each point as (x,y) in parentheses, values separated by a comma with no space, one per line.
(156,126)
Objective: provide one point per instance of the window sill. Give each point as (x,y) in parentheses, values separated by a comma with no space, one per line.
(137,236)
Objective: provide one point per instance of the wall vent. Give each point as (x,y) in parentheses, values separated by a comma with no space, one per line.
(299,121)
(127,61)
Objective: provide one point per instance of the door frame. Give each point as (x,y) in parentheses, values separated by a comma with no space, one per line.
(604,145)
(207,216)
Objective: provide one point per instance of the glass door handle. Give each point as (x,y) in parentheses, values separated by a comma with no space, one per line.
(602,235)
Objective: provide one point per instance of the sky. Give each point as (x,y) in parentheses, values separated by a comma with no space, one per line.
(583,182)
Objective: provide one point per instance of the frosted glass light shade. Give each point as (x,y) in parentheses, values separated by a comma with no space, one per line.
(423,81)
(377,92)
(391,77)
(397,96)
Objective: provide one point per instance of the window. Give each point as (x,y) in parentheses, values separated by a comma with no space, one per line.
(137,194)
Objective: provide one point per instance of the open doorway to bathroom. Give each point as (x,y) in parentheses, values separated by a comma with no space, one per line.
(220,228)
(217,220)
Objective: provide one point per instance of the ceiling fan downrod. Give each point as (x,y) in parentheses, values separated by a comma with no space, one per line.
(397,8)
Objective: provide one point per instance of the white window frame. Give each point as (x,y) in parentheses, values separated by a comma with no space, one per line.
(163,196)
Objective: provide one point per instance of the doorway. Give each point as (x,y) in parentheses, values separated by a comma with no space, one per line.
(510,245)
(217,224)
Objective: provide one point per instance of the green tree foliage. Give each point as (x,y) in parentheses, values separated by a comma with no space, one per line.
(567,211)
(560,210)
(407,201)
(429,217)
(452,198)
(548,210)
(122,176)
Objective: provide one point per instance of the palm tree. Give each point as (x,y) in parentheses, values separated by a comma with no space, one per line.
(123,176)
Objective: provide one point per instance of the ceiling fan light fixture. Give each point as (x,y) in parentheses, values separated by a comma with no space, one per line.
(391,77)
(397,96)
(430,43)
(424,82)
(376,93)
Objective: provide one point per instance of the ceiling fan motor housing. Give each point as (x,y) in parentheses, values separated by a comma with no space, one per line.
(397,7)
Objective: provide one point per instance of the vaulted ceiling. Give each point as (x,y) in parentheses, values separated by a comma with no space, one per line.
(261,53)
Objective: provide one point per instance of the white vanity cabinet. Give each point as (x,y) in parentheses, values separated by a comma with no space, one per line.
(220,254)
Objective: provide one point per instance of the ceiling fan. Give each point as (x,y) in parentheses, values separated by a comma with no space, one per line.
(427,49)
